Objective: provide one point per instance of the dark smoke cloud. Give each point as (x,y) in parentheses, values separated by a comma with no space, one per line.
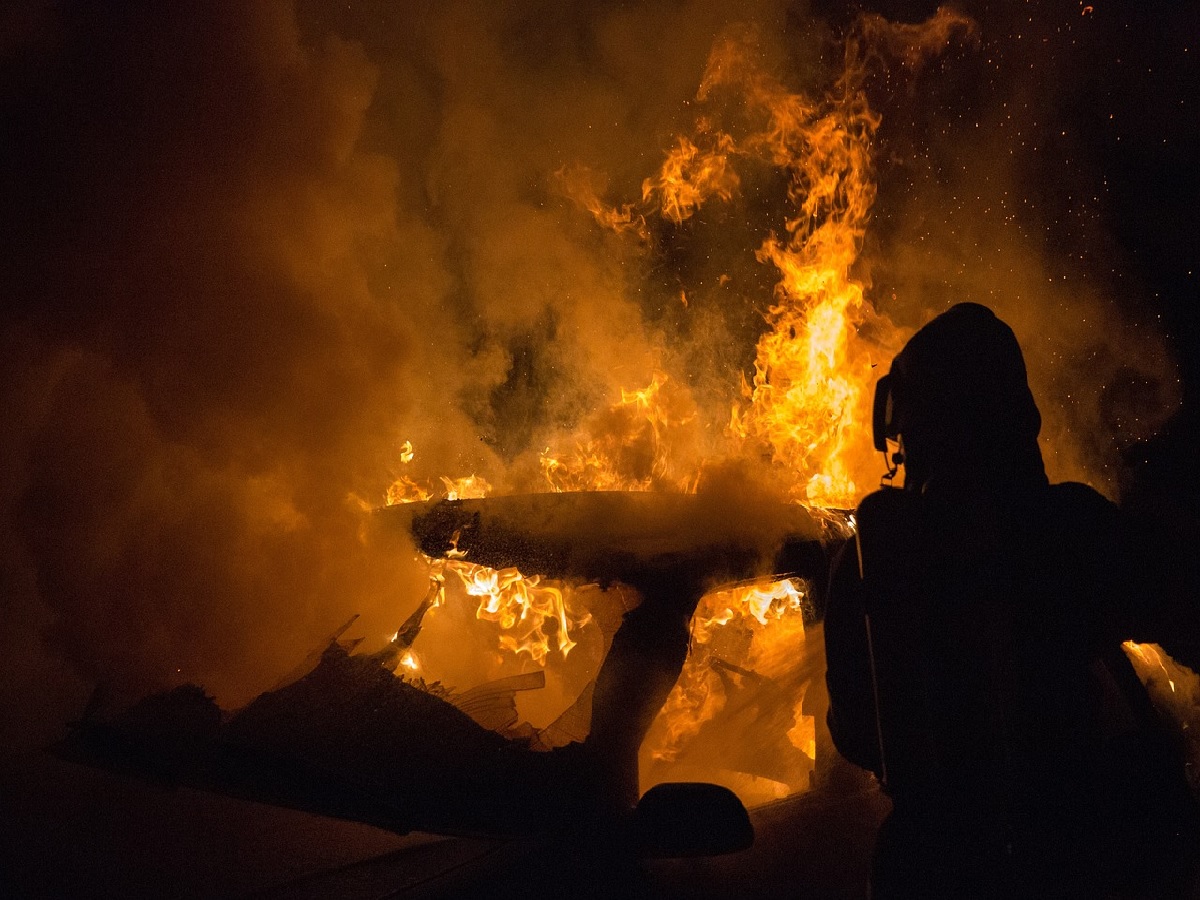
(253,248)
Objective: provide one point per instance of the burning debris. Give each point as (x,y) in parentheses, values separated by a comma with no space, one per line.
(788,436)
(362,735)
(747,637)
(1175,690)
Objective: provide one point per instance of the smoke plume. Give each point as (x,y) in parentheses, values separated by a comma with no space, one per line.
(252,249)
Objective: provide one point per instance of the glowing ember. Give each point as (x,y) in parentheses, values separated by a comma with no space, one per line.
(1148,659)
(1175,690)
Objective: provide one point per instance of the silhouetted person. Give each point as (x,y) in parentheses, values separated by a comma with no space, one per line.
(973,636)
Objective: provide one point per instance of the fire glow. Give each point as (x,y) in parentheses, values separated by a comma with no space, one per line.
(756,624)
(795,418)
(522,608)
(578,248)
(802,414)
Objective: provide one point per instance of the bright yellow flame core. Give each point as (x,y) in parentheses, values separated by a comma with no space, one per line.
(806,408)
(804,411)
(809,395)
(532,618)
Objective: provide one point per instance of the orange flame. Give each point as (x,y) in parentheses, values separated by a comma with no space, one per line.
(759,624)
(635,445)
(577,183)
(534,620)
(1175,690)
(405,489)
(690,176)
(808,401)
(1148,660)
(805,407)
(468,488)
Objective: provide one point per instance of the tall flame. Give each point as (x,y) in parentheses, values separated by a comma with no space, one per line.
(804,407)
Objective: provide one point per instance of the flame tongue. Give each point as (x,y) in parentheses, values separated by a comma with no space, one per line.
(807,399)
(806,406)
(533,618)
(800,423)
(762,627)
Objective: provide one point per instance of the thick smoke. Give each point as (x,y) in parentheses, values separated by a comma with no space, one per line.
(205,373)
(253,248)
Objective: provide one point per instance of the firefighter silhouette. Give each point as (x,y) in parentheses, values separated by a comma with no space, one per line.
(973,635)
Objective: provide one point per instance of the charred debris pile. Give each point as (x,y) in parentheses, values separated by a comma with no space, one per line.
(348,738)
